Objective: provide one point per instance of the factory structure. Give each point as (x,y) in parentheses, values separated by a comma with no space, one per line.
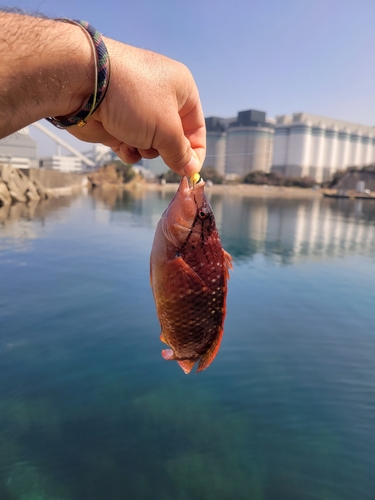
(314,146)
(297,145)
(237,146)
(19,150)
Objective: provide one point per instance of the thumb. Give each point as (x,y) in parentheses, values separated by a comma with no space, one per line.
(183,155)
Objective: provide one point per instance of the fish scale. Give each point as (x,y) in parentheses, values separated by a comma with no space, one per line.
(189,273)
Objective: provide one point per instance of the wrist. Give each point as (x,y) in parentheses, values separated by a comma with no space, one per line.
(48,70)
(75,71)
(101,78)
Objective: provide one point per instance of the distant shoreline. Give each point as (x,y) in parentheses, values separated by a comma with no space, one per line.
(250,190)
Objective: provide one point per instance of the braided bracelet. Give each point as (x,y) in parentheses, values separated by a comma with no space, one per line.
(102,72)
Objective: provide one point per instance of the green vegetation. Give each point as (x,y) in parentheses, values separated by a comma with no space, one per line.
(339,174)
(207,173)
(170,177)
(124,171)
(274,179)
(211,174)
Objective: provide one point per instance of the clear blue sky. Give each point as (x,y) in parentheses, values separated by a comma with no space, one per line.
(279,56)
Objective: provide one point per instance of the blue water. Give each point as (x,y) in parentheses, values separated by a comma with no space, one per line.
(90,410)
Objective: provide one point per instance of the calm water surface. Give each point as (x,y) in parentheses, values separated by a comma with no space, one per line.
(90,410)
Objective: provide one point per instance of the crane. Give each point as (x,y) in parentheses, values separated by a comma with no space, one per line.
(64,144)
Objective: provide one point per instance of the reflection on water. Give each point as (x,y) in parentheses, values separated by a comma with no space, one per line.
(14,219)
(89,409)
(289,228)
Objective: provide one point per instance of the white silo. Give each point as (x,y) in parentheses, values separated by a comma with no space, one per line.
(318,139)
(331,156)
(367,149)
(299,149)
(355,149)
(280,149)
(343,149)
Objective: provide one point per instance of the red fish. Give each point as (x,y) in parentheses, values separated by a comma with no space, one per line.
(189,274)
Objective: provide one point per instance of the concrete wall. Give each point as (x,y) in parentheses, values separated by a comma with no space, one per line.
(51,179)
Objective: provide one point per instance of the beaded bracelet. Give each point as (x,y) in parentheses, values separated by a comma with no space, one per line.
(102,73)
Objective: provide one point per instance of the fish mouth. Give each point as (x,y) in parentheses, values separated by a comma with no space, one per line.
(189,184)
(191,189)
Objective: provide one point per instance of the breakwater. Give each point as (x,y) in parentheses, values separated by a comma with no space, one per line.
(34,184)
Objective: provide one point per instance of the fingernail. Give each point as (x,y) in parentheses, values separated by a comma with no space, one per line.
(193,166)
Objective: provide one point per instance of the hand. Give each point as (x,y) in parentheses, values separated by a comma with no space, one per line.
(151,108)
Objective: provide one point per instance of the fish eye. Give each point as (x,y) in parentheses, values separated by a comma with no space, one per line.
(202,213)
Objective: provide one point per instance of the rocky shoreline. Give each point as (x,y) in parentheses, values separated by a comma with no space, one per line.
(15,186)
(33,185)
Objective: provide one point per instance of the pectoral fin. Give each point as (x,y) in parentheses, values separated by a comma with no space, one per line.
(181,277)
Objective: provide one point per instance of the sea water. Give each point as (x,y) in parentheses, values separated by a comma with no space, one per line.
(90,410)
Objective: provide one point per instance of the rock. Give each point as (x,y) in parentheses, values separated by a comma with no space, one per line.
(17,196)
(17,183)
(5,172)
(105,175)
(32,193)
(5,198)
(40,190)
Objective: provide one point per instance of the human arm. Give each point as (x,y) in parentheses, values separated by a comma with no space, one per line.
(151,107)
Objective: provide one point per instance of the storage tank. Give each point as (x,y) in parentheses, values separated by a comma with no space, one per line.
(213,139)
(280,149)
(366,150)
(343,149)
(299,149)
(331,153)
(355,149)
(248,149)
(318,140)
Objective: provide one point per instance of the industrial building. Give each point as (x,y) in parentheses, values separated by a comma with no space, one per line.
(238,146)
(216,142)
(19,150)
(314,146)
(61,163)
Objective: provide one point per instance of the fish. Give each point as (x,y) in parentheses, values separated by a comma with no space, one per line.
(189,272)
